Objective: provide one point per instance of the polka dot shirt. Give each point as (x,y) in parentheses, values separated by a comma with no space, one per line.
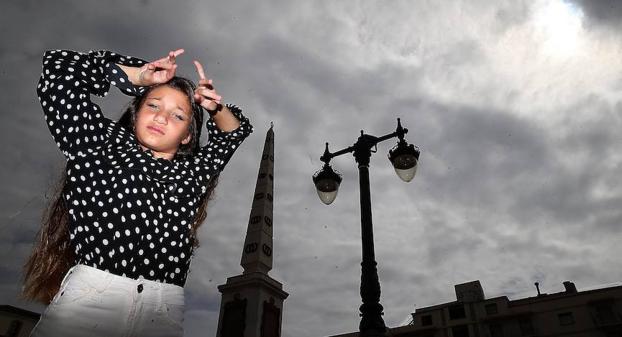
(129,213)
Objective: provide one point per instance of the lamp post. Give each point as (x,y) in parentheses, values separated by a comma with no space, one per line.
(404,158)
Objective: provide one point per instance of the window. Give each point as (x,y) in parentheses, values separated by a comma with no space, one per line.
(526,328)
(491,308)
(14,328)
(565,318)
(457,311)
(604,313)
(496,330)
(460,331)
(426,320)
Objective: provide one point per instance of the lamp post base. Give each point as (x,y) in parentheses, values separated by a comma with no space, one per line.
(372,326)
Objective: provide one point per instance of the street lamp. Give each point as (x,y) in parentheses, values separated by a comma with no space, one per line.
(327,183)
(404,158)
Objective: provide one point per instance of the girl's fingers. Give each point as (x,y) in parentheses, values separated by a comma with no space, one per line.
(209,93)
(206,83)
(205,102)
(164,59)
(209,100)
(165,65)
(171,56)
(199,69)
(209,105)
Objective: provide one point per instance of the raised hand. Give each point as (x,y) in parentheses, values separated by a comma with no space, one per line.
(205,94)
(159,71)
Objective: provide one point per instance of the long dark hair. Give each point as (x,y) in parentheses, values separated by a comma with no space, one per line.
(52,255)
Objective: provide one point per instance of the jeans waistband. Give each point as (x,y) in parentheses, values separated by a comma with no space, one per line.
(98,274)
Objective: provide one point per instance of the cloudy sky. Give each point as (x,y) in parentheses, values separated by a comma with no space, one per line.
(514,104)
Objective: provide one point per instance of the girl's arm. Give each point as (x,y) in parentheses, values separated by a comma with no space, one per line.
(156,72)
(224,119)
(227,127)
(214,156)
(67,81)
(206,96)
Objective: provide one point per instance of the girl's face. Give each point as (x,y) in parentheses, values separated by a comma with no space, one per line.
(163,122)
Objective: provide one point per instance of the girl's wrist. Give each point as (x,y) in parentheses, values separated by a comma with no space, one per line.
(141,75)
(217,109)
(134,74)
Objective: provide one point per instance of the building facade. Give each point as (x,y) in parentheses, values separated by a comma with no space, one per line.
(16,322)
(593,313)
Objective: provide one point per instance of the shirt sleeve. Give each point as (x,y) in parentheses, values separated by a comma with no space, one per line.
(67,81)
(221,145)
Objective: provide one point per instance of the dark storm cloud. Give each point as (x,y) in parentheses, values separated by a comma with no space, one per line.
(601,12)
(580,164)
(480,150)
(497,154)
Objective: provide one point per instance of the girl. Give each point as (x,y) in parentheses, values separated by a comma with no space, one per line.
(113,254)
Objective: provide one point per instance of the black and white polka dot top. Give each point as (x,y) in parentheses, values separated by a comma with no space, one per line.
(129,212)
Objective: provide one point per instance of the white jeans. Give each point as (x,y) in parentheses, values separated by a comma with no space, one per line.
(94,303)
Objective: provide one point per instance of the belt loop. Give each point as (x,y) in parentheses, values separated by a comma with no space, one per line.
(69,272)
